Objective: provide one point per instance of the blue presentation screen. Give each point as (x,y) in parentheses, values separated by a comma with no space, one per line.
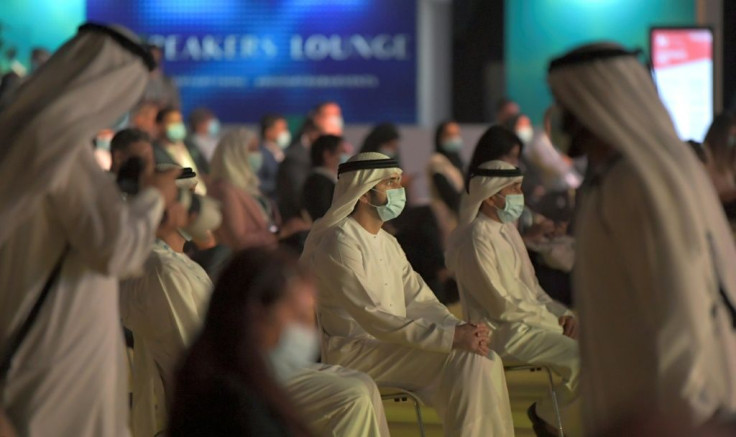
(244,58)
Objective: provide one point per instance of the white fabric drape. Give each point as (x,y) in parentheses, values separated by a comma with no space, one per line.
(654,249)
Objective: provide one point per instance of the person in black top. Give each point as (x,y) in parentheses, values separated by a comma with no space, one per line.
(327,153)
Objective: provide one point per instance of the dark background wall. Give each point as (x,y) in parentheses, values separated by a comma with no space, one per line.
(477,59)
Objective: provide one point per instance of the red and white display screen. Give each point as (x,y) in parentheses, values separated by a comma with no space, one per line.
(683,71)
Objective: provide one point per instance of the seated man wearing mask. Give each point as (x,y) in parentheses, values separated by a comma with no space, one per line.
(379,317)
(164,307)
(498,286)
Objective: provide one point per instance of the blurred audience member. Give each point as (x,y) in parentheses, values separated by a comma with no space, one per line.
(720,147)
(328,118)
(170,147)
(327,154)
(249,218)
(161,89)
(144,117)
(294,170)
(275,138)
(496,143)
(506,109)
(445,172)
(383,138)
(254,366)
(164,309)
(225,386)
(130,143)
(204,131)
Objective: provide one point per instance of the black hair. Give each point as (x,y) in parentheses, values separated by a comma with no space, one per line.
(324,143)
(161,115)
(199,115)
(124,138)
(698,149)
(496,141)
(268,121)
(253,282)
(381,134)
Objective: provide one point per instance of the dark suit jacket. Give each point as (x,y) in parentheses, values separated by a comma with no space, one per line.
(290,178)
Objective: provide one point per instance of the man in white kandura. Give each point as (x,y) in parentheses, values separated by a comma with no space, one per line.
(378,316)
(655,284)
(164,309)
(68,377)
(498,286)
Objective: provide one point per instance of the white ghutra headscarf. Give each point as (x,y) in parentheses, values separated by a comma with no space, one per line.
(85,86)
(356,177)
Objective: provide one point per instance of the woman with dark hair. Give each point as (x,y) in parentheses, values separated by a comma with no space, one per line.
(446,166)
(224,386)
(720,148)
(383,138)
(253,365)
(496,143)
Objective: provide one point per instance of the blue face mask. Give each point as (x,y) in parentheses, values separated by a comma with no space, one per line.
(344,158)
(452,145)
(513,208)
(176,132)
(396,201)
(213,129)
(103,144)
(255,160)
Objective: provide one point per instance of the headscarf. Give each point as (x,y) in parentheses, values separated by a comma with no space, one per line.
(613,95)
(85,86)
(230,161)
(482,187)
(351,185)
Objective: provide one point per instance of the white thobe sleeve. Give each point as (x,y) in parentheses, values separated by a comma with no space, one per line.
(341,267)
(421,303)
(112,236)
(480,276)
(552,305)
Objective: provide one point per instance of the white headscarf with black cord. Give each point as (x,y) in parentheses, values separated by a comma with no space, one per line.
(85,86)
(356,177)
(613,96)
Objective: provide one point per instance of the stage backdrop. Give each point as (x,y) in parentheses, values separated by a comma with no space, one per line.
(246,58)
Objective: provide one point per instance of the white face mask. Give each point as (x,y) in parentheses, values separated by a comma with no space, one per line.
(284,139)
(336,122)
(298,348)
(525,134)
